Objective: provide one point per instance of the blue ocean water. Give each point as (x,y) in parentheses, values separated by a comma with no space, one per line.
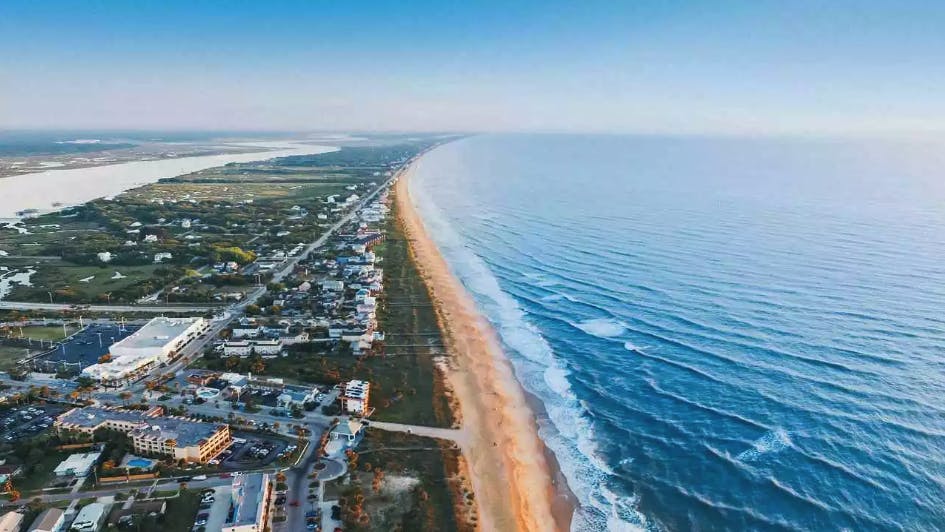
(727,334)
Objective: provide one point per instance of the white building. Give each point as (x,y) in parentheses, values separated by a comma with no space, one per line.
(104,256)
(333,286)
(90,518)
(11,521)
(356,395)
(251,498)
(245,348)
(148,347)
(77,465)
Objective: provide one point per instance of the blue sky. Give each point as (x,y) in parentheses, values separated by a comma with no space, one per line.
(798,66)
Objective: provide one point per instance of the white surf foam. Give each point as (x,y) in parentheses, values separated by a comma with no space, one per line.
(771,442)
(602,327)
(569,434)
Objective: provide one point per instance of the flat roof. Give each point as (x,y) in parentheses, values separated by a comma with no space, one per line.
(48,519)
(158,332)
(92,416)
(248,493)
(185,432)
(77,462)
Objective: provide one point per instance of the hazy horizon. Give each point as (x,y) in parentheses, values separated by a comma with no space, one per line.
(808,68)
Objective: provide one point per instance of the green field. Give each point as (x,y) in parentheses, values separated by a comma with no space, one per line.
(76,283)
(10,355)
(41,332)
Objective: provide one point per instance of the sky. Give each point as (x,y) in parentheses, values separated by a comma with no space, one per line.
(695,67)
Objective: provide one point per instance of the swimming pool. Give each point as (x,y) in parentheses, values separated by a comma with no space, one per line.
(143,463)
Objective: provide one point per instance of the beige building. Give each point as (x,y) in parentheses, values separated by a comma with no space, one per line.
(11,522)
(184,439)
(151,433)
(89,419)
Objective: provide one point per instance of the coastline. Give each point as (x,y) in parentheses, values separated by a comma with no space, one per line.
(515,477)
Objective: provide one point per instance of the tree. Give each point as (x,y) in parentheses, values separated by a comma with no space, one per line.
(125,396)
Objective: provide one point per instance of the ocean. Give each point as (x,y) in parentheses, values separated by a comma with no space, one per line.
(726,333)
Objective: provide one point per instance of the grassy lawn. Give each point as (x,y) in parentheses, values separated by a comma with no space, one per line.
(69,282)
(413,337)
(179,517)
(42,470)
(10,355)
(40,332)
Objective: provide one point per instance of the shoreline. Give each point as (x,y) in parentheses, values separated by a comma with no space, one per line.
(515,478)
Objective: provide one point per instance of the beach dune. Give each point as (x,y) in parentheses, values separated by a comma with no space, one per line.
(511,475)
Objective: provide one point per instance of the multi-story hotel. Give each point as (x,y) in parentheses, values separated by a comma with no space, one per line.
(150,433)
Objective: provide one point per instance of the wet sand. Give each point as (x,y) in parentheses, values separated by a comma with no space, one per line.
(514,477)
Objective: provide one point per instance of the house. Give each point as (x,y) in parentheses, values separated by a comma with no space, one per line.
(9,471)
(160,257)
(150,238)
(11,521)
(244,331)
(77,465)
(104,256)
(296,398)
(90,518)
(50,520)
(245,348)
(332,285)
(347,431)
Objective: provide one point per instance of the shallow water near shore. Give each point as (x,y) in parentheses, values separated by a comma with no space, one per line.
(724,333)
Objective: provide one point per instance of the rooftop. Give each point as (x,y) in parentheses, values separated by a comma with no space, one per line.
(184,431)
(48,519)
(157,332)
(92,416)
(249,492)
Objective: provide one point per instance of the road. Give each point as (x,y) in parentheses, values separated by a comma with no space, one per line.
(163,309)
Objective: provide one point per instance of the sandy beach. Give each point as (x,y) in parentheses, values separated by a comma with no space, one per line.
(514,479)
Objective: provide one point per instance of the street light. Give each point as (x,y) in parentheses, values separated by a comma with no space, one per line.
(50,297)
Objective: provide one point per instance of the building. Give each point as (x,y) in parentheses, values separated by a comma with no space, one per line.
(245,348)
(91,418)
(182,439)
(90,518)
(355,397)
(77,465)
(50,520)
(296,398)
(151,434)
(155,343)
(11,522)
(347,431)
(250,502)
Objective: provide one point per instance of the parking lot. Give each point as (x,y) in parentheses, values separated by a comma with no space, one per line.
(251,451)
(85,347)
(27,421)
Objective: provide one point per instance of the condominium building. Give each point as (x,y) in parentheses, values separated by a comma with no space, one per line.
(356,395)
(251,498)
(150,434)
